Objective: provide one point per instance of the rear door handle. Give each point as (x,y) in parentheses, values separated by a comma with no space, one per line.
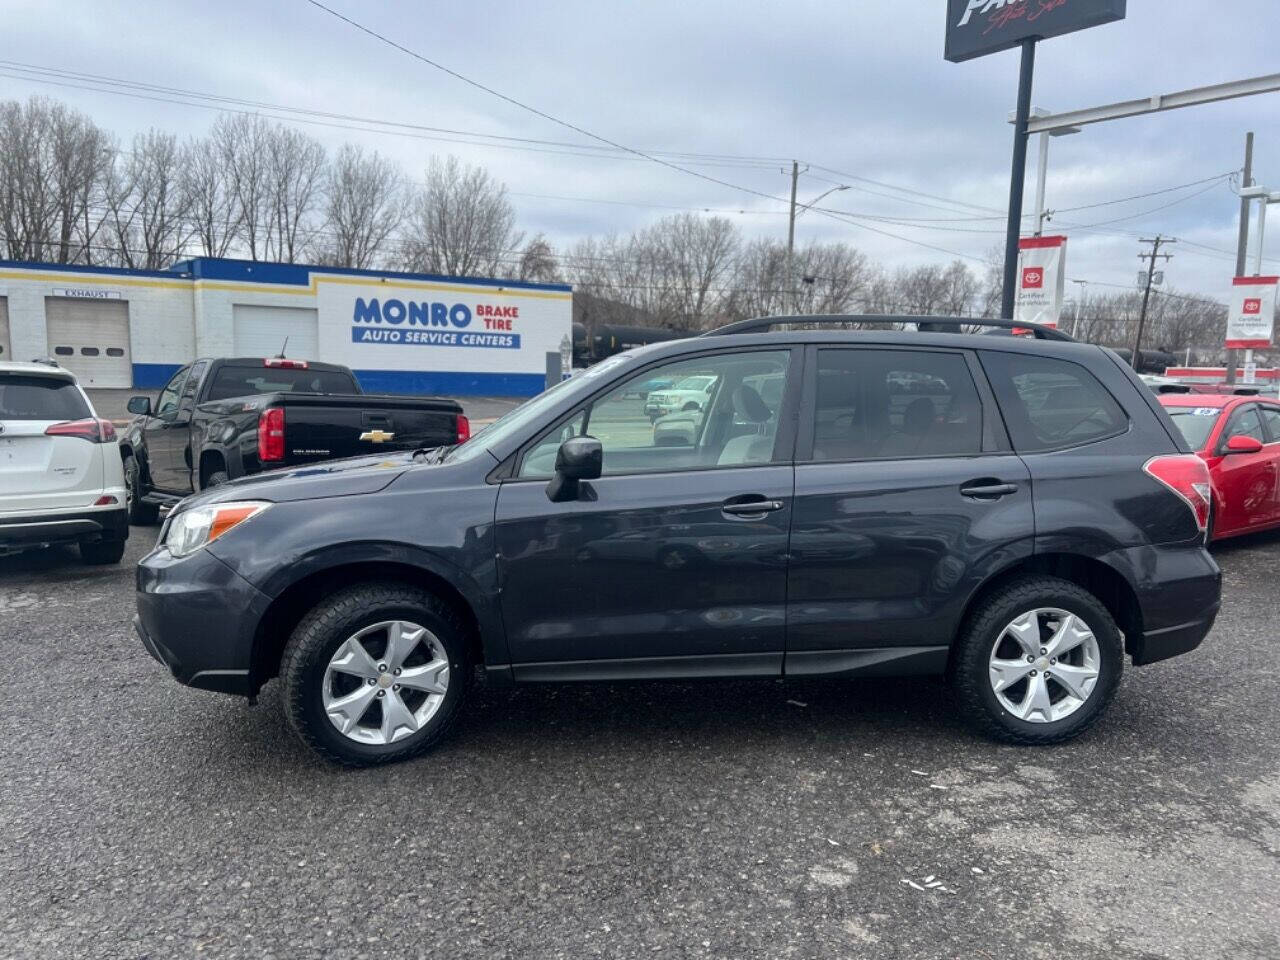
(750,508)
(988,489)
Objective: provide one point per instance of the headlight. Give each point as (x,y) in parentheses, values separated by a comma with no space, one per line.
(192,529)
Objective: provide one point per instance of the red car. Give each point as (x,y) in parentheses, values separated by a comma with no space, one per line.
(1239,437)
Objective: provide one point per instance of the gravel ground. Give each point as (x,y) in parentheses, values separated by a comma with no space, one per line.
(142,819)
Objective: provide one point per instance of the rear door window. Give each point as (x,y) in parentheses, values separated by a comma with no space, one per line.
(894,404)
(1051,404)
(40,398)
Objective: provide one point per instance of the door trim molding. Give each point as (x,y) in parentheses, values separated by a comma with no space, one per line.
(868,662)
(651,668)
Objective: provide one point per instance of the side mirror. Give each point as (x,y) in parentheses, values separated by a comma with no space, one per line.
(140,405)
(1244,444)
(581,458)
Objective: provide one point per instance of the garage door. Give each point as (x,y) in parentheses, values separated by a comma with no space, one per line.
(91,339)
(6,352)
(262,332)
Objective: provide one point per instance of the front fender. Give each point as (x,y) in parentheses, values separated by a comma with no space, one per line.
(481,600)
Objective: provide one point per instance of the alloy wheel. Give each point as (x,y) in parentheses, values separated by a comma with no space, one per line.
(385,682)
(1044,665)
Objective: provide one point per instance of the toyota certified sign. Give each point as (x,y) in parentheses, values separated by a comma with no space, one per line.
(978,27)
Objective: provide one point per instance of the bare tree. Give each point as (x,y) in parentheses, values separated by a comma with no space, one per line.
(295,171)
(363,207)
(243,142)
(694,254)
(211,203)
(538,262)
(53,162)
(146,203)
(461,223)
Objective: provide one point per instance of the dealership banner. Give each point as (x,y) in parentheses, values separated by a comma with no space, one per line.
(978,27)
(1042,276)
(1251,313)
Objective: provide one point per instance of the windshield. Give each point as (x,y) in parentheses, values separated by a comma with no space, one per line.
(528,414)
(1196,423)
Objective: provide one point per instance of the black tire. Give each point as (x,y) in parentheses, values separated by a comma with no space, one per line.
(326,627)
(690,407)
(140,514)
(970,669)
(103,551)
(215,479)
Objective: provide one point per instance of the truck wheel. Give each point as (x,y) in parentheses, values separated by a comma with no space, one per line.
(141,514)
(375,673)
(215,479)
(104,551)
(1037,662)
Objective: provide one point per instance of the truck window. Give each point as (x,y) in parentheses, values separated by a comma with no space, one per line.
(245,380)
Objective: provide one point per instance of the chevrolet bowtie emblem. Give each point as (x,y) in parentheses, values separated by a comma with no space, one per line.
(376,436)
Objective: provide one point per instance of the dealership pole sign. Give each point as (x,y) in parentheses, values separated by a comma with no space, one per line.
(1042,272)
(978,27)
(1251,313)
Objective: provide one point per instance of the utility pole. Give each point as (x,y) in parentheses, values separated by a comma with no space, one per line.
(1242,244)
(791,238)
(1146,295)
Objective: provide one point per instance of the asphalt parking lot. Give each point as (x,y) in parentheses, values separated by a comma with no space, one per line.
(142,819)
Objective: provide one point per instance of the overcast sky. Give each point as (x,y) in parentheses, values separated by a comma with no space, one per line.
(857,87)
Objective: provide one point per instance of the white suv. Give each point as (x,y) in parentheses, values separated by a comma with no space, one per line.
(61,476)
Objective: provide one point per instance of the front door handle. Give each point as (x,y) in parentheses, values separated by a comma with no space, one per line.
(739,507)
(988,489)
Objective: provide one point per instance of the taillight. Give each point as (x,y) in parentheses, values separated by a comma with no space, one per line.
(95,431)
(282,364)
(1187,476)
(464,428)
(271,434)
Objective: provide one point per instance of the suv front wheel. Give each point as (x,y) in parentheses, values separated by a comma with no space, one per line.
(375,673)
(1038,662)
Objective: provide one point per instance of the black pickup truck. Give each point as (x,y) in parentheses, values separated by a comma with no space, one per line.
(219,419)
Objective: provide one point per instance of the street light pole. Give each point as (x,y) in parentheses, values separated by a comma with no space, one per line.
(1075,324)
(796,211)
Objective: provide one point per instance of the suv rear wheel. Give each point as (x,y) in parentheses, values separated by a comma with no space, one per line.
(375,673)
(1038,662)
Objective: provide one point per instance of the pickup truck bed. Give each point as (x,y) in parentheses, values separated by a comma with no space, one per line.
(220,419)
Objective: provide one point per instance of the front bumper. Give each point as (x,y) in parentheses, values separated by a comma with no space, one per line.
(19,532)
(199,617)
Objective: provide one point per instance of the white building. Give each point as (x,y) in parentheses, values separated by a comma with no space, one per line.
(400,332)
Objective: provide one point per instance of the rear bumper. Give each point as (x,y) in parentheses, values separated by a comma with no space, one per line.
(18,532)
(198,617)
(1180,594)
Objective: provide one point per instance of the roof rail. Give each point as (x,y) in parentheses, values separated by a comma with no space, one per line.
(758,324)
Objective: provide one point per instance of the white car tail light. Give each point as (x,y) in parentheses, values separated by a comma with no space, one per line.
(95,431)
(1187,476)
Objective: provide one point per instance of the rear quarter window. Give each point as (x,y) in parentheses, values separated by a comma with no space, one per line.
(1051,404)
(40,398)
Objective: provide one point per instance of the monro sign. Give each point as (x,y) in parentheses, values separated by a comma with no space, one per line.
(978,27)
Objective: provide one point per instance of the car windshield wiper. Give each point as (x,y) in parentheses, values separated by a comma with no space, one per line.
(432,454)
